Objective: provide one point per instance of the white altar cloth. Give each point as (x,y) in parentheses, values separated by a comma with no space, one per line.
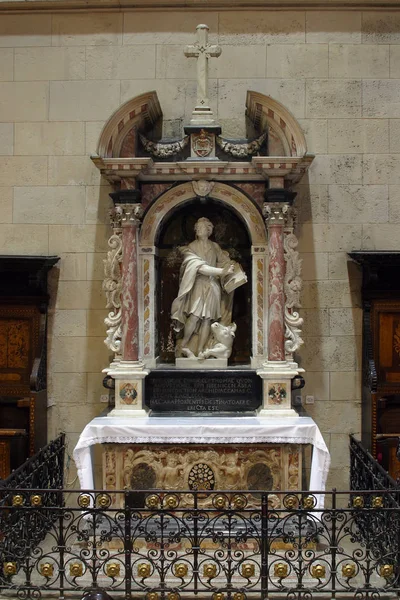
(203,430)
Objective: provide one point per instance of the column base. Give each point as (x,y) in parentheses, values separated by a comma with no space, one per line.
(273,367)
(129,393)
(277,388)
(281,412)
(202,115)
(124,412)
(122,368)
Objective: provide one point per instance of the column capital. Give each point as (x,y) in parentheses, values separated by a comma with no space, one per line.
(275,213)
(131,214)
(277,205)
(123,215)
(127,209)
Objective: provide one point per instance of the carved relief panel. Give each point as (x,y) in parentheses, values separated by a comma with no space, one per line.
(255,467)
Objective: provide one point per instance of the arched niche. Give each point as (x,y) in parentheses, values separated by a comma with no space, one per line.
(222,198)
(230,232)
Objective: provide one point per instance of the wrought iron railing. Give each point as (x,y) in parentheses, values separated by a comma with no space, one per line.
(44,470)
(22,532)
(367,474)
(214,545)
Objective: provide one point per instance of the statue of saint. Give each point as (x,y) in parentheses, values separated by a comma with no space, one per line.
(208,279)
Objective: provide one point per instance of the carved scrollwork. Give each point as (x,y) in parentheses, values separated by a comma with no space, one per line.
(293,323)
(164,149)
(292,285)
(241,149)
(112,285)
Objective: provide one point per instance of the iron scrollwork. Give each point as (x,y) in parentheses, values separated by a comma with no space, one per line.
(213,544)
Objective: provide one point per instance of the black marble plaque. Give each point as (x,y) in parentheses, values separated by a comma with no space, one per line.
(181,390)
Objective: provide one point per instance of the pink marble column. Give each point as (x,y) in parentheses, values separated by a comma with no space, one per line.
(129,293)
(276,296)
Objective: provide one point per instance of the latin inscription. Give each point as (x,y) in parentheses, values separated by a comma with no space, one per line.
(187,391)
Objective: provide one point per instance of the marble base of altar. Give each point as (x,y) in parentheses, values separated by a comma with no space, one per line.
(267,467)
(236,434)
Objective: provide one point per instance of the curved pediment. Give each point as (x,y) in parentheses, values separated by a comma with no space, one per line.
(267,113)
(119,135)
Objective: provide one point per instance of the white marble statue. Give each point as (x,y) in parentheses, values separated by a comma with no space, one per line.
(208,279)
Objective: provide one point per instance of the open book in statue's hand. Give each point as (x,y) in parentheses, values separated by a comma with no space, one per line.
(233,280)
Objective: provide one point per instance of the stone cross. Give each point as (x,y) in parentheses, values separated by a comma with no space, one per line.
(202,50)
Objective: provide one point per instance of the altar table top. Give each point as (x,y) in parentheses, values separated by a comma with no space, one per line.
(203,430)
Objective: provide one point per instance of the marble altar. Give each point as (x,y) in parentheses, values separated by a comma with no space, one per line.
(235,286)
(285,434)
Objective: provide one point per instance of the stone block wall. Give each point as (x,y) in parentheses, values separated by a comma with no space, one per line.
(338,72)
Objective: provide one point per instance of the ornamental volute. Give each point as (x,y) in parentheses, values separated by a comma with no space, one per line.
(128,208)
(275,214)
(131,214)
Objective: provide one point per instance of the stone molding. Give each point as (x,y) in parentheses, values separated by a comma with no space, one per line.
(181,194)
(17,6)
(291,168)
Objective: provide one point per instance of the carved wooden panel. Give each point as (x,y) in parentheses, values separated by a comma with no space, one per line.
(4,459)
(386,341)
(15,338)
